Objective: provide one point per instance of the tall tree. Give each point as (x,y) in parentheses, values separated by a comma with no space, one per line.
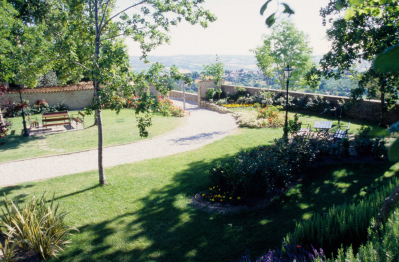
(214,71)
(285,45)
(361,38)
(264,61)
(88,42)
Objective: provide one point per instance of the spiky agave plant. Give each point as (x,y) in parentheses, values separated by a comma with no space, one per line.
(39,225)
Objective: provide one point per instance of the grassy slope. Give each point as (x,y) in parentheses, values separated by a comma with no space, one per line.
(118,129)
(145,212)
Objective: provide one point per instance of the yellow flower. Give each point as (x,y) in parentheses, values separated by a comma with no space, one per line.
(203,194)
(213,199)
(238,198)
(230,198)
(221,200)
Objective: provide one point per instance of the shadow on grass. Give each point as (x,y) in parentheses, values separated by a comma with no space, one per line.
(167,228)
(21,197)
(15,141)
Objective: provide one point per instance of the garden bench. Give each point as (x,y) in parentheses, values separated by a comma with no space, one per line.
(341,134)
(56,119)
(305,131)
(79,118)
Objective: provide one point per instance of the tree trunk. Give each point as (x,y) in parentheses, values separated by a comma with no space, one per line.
(101,173)
(388,206)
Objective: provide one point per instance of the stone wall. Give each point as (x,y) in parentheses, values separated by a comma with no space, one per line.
(203,86)
(214,107)
(75,97)
(179,95)
(366,110)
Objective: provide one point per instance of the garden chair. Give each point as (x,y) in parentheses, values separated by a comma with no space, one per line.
(305,131)
(79,118)
(341,134)
(33,123)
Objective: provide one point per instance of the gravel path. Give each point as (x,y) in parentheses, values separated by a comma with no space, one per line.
(202,127)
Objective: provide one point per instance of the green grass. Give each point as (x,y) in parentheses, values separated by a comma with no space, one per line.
(145,213)
(118,129)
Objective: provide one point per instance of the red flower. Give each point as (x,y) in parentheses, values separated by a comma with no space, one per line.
(298,246)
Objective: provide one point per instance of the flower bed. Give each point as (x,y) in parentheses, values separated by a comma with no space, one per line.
(261,117)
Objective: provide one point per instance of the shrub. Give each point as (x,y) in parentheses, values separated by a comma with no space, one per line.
(166,107)
(263,170)
(382,246)
(240,92)
(294,125)
(365,145)
(289,252)
(263,117)
(343,224)
(5,126)
(14,109)
(210,93)
(37,225)
(8,251)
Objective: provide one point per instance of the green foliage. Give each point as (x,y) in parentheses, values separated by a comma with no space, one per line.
(264,60)
(214,71)
(240,92)
(272,18)
(379,247)
(8,251)
(366,145)
(387,62)
(344,224)
(210,93)
(38,225)
(362,37)
(285,45)
(294,125)
(263,170)
(268,117)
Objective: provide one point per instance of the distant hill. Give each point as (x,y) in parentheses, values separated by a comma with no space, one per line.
(196,62)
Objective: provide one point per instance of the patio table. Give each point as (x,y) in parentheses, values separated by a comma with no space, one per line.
(322,127)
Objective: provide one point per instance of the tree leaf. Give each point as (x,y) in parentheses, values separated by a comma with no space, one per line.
(287,9)
(264,6)
(393,151)
(356,2)
(388,61)
(349,13)
(270,20)
(339,5)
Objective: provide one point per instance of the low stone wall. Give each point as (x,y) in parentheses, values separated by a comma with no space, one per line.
(214,107)
(75,97)
(369,110)
(179,95)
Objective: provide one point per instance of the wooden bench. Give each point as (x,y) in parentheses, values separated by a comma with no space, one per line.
(56,119)
(79,118)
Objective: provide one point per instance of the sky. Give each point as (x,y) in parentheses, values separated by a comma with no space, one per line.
(238,29)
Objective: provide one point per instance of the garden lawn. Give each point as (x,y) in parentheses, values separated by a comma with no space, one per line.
(145,213)
(118,129)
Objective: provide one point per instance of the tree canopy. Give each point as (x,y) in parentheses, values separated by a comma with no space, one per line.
(285,45)
(214,71)
(362,37)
